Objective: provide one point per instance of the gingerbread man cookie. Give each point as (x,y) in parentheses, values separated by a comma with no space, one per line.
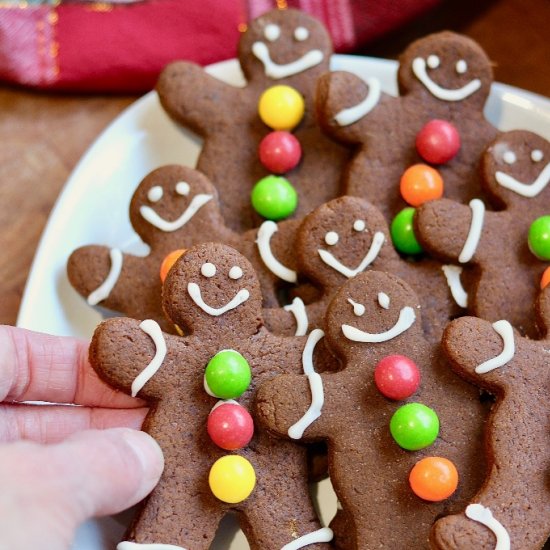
(512,510)
(444,80)
(501,274)
(371,318)
(282,53)
(217,458)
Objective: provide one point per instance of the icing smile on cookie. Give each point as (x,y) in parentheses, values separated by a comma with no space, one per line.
(528,190)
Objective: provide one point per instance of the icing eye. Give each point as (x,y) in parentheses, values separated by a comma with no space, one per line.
(301,34)
(359,225)
(182,188)
(208,269)
(433,61)
(272,32)
(536,155)
(155,193)
(384,300)
(461,66)
(509,157)
(358,309)
(235,272)
(331,238)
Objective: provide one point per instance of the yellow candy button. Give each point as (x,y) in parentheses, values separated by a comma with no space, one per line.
(281,107)
(232,478)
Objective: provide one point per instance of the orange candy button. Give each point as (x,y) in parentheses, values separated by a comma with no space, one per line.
(421,183)
(545,280)
(434,478)
(169,261)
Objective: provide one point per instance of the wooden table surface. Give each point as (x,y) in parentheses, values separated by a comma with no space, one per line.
(43,135)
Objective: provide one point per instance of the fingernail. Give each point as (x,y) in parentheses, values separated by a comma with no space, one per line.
(146,449)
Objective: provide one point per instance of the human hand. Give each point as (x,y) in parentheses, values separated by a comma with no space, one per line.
(60,464)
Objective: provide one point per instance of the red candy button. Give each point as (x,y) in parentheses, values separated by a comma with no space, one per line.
(280,152)
(230,426)
(397,377)
(438,142)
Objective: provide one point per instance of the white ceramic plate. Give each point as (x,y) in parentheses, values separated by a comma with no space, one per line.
(93,208)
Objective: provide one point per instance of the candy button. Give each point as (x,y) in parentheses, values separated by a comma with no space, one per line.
(397,377)
(539,238)
(274,198)
(280,152)
(421,183)
(227,374)
(230,426)
(545,279)
(281,107)
(402,232)
(414,426)
(438,141)
(169,261)
(232,478)
(434,478)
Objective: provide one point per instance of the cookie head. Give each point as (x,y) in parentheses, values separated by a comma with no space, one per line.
(212,289)
(284,43)
(446,67)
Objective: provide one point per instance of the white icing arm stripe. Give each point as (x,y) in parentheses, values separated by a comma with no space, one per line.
(481,514)
(195,292)
(103,291)
(276,71)
(307,355)
(405,321)
(506,332)
(152,329)
(197,202)
(419,69)
(452,274)
(528,190)
(476,225)
(298,309)
(372,254)
(125,545)
(324,534)
(352,114)
(266,231)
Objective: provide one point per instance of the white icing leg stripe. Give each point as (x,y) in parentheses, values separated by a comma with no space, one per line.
(452,274)
(372,254)
(405,321)
(103,291)
(481,514)
(315,385)
(528,190)
(352,114)
(419,69)
(197,202)
(476,225)
(152,329)
(138,546)
(324,534)
(266,231)
(506,332)
(276,71)
(195,292)
(298,309)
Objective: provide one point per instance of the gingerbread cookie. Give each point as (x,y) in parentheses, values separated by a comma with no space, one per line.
(282,53)
(444,77)
(373,317)
(217,458)
(512,510)
(501,274)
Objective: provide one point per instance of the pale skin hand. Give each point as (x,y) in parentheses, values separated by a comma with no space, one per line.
(60,465)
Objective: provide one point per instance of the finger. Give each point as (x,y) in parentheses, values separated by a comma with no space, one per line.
(41,367)
(54,423)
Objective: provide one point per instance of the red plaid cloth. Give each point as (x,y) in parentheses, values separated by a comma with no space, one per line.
(114,46)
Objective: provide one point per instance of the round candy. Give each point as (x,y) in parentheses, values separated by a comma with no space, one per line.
(274,198)
(232,478)
(434,478)
(169,261)
(539,238)
(421,183)
(230,426)
(402,232)
(281,107)
(545,279)
(397,377)
(227,374)
(280,152)
(438,141)
(414,426)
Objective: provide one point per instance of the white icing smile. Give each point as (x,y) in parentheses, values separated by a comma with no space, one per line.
(195,292)
(419,69)
(276,71)
(528,190)
(372,254)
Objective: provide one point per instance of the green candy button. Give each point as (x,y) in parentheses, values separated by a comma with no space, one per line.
(402,232)
(227,374)
(539,238)
(414,426)
(274,198)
